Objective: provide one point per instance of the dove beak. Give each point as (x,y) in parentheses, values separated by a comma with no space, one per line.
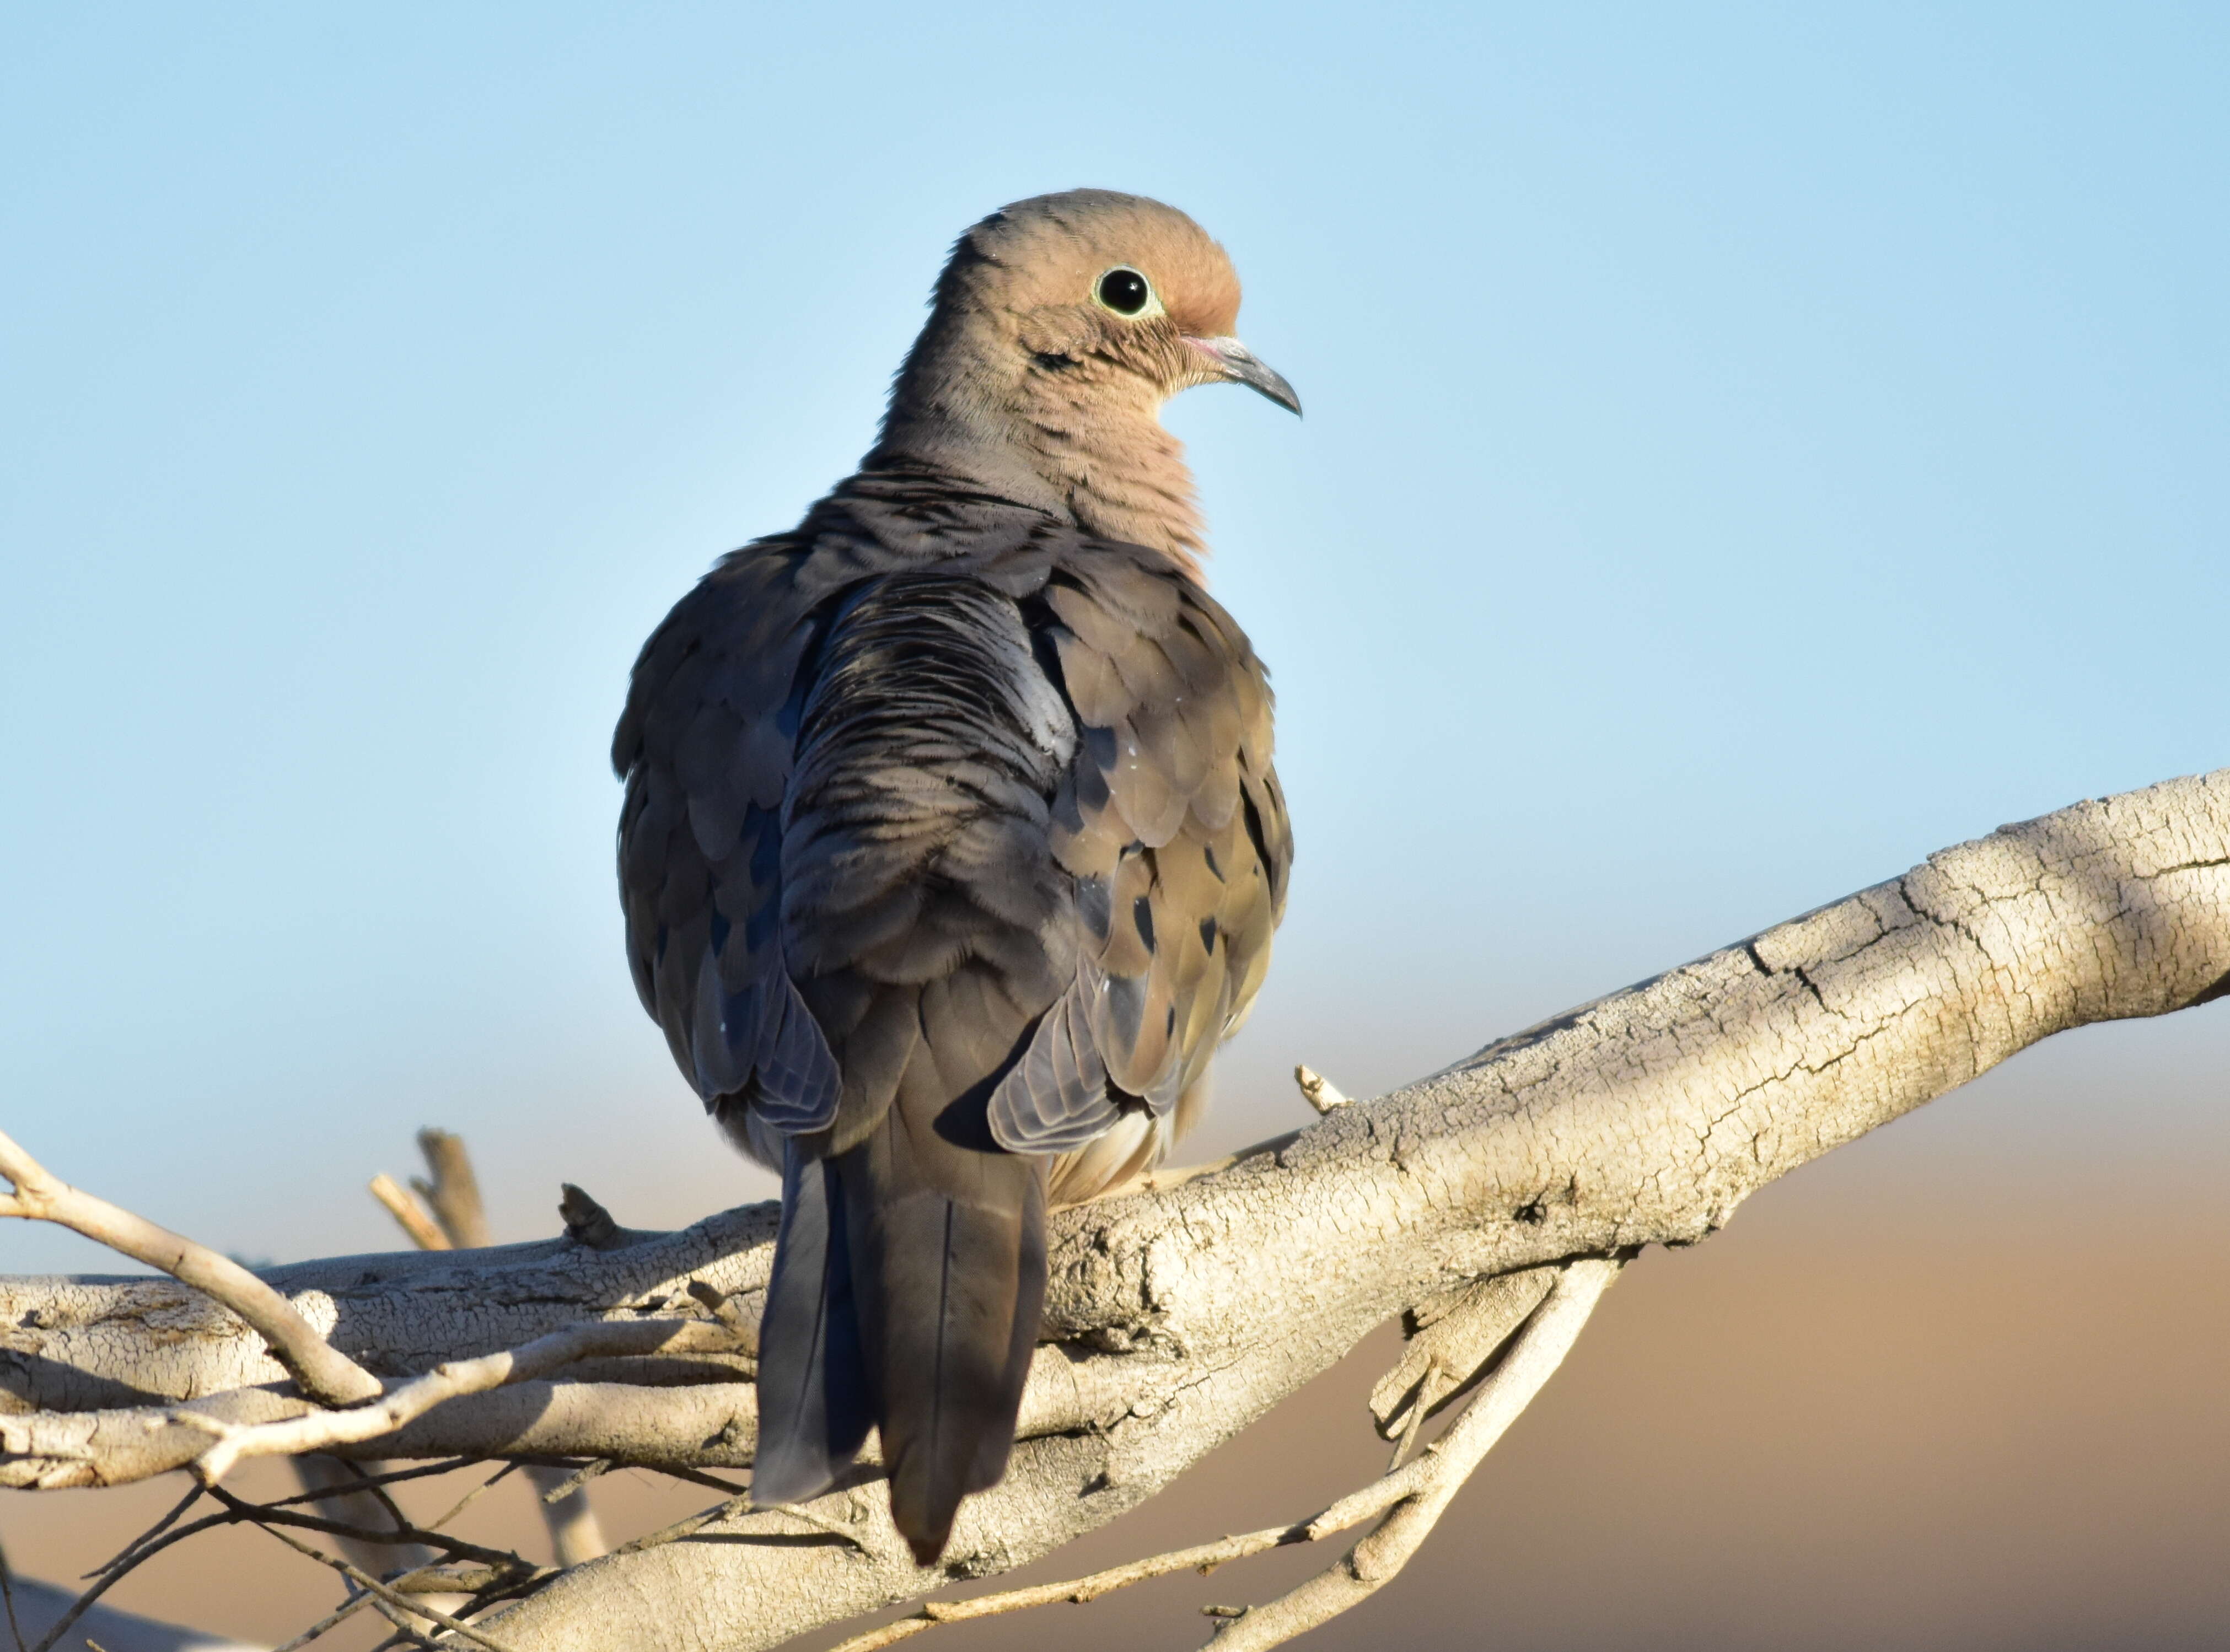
(1232,360)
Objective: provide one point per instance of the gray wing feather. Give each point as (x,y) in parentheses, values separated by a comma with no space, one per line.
(1170,823)
(1054,1099)
(705,748)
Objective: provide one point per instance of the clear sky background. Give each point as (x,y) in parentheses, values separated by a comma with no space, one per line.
(1749,448)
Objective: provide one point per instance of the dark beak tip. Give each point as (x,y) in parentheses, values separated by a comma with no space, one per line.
(1239,365)
(1270,383)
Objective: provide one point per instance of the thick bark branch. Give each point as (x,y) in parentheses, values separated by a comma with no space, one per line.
(1180,1314)
(36,1195)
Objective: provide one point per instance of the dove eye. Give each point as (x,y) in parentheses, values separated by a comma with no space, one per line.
(1125,291)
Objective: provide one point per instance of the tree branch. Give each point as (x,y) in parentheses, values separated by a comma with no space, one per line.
(327,1376)
(409,1215)
(454,1194)
(455,1191)
(364,1424)
(1177,1316)
(1413,1499)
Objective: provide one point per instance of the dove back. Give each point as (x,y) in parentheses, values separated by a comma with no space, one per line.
(944,877)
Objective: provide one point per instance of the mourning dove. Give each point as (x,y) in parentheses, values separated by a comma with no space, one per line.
(952,847)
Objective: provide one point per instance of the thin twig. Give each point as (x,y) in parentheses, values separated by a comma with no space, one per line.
(262,1514)
(357,1598)
(1427,1394)
(79,1607)
(372,1586)
(406,1632)
(320,1430)
(460,1506)
(576,1535)
(695,1477)
(362,1484)
(1203,1557)
(443,1579)
(238,1511)
(153,1532)
(687,1527)
(581,1476)
(347,1494)
(388,1477)
(8,1595)
(324,1373)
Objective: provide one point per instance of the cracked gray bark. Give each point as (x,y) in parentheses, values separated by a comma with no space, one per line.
(1178,1316)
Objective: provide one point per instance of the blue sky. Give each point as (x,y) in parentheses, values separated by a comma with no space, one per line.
(1748,448)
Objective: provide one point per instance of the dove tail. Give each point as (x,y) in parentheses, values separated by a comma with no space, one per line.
(949,1263)
(815,1406)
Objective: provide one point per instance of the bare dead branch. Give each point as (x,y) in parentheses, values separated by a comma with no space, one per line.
(324,1373)
(688,1526)
(1540,1347)
(402,1542)
(696,1477)
(123,1557)
(1453,1337)
(446,1382)
(1443,1469)
(575,1532)
(409,1215)
(454,1191)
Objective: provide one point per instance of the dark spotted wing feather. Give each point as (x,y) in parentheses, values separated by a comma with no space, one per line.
(1171,824)
(704,746)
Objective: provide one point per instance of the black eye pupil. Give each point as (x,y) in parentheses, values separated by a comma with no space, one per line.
(1124,291)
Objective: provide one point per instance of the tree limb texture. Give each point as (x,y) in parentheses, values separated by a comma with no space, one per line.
(1177,1316)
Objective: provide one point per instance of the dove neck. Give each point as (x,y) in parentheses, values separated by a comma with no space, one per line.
(1083,441)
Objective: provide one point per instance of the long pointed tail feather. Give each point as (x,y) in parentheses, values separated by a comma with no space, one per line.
(815,1404)
(949,1265)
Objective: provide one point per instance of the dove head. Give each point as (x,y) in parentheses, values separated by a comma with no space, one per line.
(1060,326)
